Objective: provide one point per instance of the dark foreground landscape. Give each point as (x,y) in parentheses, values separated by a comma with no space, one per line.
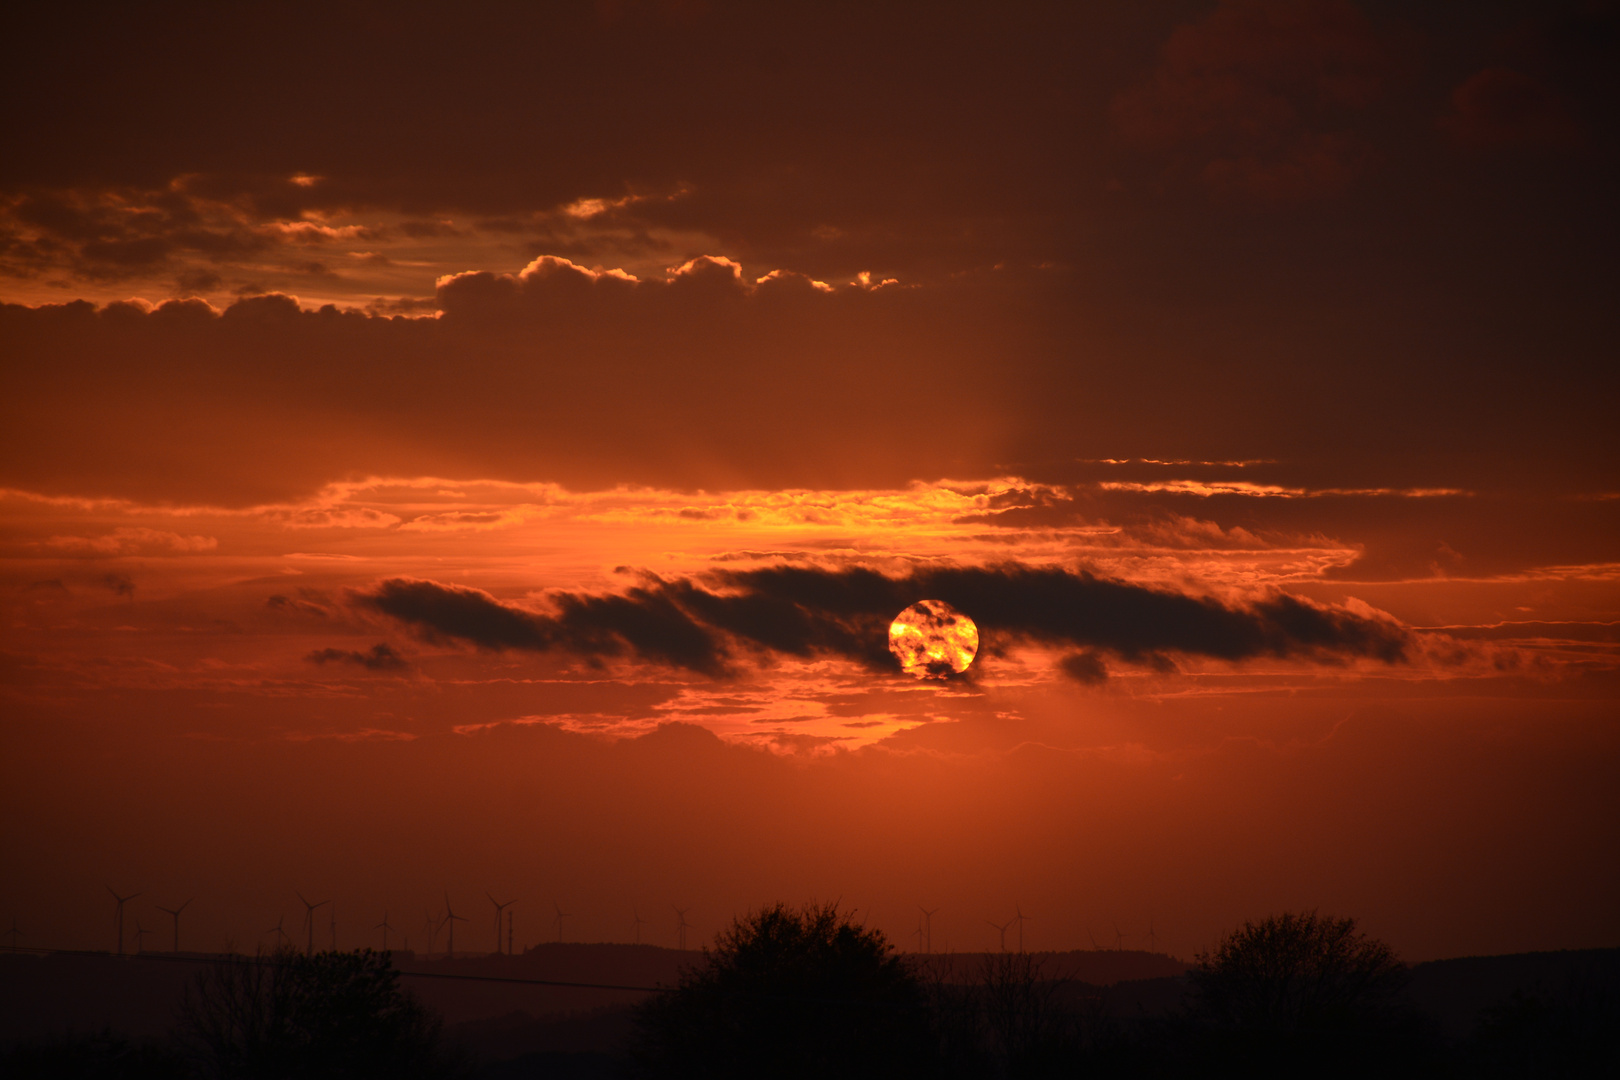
(788,997)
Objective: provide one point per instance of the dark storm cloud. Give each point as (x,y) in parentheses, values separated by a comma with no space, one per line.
(380,657)
(803,612)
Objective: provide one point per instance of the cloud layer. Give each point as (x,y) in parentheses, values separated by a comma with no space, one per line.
(702,626)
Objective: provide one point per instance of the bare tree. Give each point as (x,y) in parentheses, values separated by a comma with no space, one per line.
(1290,972)
(333,1014)
(1302,994)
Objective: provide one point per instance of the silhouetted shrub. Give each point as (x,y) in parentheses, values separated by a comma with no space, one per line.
(790,993)
(1302,993)
(333,1014)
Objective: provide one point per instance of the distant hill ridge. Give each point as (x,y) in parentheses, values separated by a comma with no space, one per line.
(652,965)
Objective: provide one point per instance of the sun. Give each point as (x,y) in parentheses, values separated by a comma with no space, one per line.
(932,640)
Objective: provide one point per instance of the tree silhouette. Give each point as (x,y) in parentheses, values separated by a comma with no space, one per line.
(790,993)
(333,1014)
(1301,991)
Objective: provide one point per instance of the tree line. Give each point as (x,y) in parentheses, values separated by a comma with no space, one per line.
(807,992)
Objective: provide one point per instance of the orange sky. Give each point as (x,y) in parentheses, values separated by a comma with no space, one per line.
(484,451)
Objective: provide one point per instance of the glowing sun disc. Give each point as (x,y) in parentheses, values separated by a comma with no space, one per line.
(932,640)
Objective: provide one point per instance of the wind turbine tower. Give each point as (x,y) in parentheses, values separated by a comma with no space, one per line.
(682,926)
(928,928)
(176,913)
(309,922)
(639,921)
(1020,919)
(499,908)
(385,928)
(122,900)
(140,936)
(282,937)
(1002,929)
(561,915)
(451,918)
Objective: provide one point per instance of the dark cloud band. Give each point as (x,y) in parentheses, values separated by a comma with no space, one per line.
(700,625)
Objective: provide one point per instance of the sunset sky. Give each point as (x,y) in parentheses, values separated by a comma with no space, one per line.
(482,447)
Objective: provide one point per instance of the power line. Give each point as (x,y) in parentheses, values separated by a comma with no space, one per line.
(238,958)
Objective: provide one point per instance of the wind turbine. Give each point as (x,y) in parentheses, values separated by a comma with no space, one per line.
(121,901)
(176,913)
(385,928)
(279,931)
(140,936)
(1020,919)
(928,927)
(1119,939)
(309,922)
(451,918)
(1094,946)
(561,915)
(1153,940)
(639,921)
(1002,927)
(682,926)
(499,907)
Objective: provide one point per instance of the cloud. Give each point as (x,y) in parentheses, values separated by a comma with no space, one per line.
(558,372)
(804,612)
(641,621)
(380,657)
(1084,667)
(120,584)
(456,613)
(1503,109)
(307,602)
(1259,98)
(127,540)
